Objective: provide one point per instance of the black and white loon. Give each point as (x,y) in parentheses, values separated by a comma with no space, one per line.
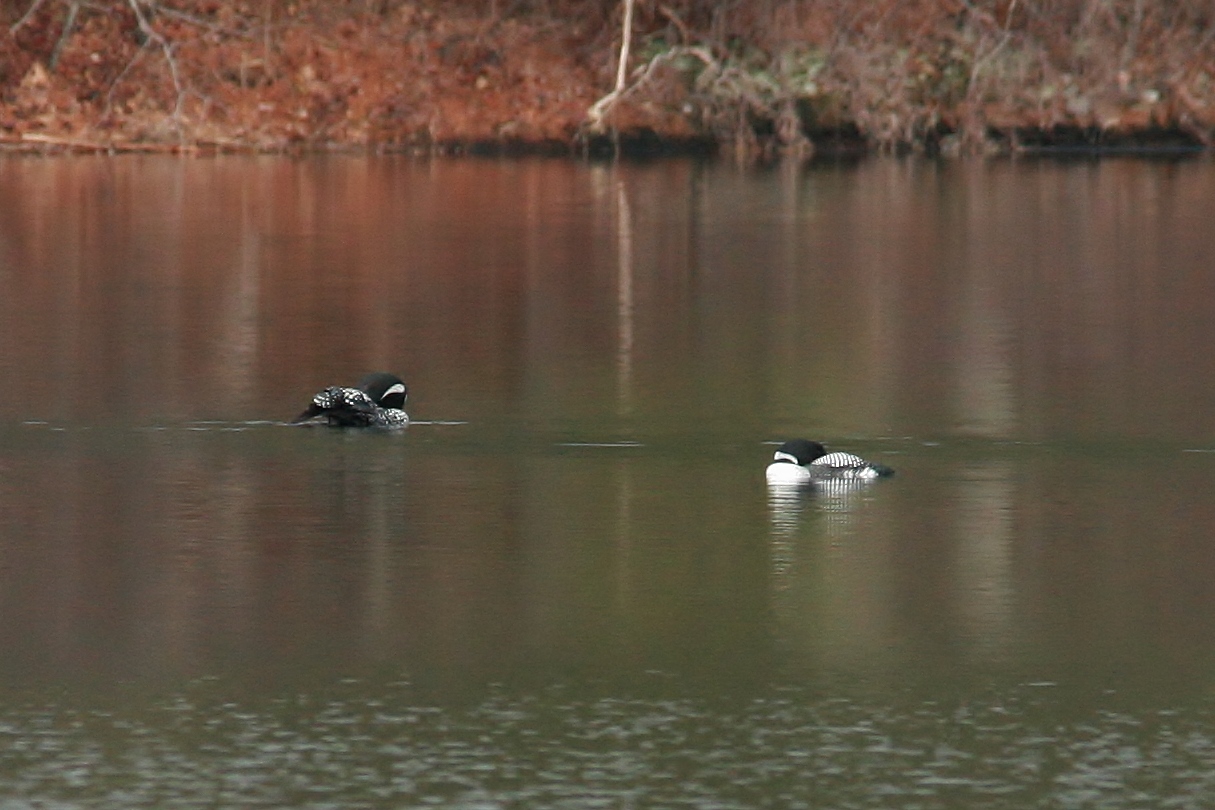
(801,461)
(378,402)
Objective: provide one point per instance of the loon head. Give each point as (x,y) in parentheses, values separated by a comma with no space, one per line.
(386,390)
(799,451)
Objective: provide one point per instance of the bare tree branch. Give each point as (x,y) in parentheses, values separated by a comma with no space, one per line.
(37,4)
(167,47)
(68,25)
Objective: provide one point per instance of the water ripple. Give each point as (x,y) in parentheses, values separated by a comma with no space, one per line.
(553,750)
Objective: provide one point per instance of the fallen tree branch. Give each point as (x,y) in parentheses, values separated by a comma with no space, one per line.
(83,145)
(601,107)
(644,73)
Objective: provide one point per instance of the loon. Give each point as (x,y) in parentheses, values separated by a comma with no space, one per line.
(800,461)
(378,402)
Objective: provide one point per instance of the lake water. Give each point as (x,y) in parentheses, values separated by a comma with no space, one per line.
(566,584)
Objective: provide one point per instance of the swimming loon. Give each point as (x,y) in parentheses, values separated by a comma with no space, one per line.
(801,461)
(378,401)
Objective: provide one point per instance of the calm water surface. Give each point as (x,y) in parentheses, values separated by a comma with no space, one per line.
(566,585)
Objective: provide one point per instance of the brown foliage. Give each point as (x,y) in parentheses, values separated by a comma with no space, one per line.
(430,74)
(280,75)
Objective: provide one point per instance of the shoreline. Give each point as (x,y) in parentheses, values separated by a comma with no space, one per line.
(434,78)
(640,146)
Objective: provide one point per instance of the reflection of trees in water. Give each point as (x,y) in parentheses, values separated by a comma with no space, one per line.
(775,296)
(889,299)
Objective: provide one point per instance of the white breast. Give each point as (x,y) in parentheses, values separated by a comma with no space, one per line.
(784,473)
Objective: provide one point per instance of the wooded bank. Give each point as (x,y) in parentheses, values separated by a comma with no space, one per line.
(756,77)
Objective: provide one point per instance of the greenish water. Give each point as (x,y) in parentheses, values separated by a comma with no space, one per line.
(357,745)
(566,585)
